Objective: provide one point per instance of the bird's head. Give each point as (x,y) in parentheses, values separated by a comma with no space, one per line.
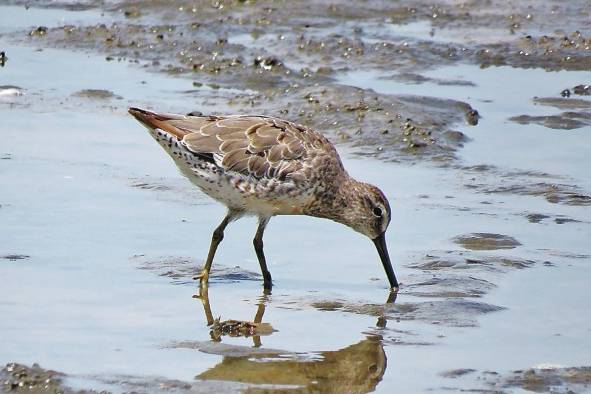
(366,210)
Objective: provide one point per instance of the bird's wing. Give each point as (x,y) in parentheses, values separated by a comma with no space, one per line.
(258,146)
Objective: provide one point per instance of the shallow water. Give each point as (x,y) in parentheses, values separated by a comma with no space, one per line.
(110,234)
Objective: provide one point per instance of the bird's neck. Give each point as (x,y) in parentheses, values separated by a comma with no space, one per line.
(337,200)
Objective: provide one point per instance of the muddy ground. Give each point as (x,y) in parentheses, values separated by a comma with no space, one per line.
(468,222)
(286,57)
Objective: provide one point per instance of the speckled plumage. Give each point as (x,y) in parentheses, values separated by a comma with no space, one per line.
(266,166)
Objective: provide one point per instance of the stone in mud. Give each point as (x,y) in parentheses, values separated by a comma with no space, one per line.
(582,90)
(486,241)
(38,32)
(328,306)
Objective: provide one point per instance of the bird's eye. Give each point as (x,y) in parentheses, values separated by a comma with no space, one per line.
(377,211)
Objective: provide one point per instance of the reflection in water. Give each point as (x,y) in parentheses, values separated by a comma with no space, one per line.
(357,368)
(235,328)
(381,323)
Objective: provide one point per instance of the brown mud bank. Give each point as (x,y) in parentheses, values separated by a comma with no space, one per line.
(18,378)
(277,64)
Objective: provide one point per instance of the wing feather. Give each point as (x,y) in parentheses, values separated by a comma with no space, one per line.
(257,146)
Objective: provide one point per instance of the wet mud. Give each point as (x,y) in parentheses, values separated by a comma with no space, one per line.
(562,121)
(542,380)
(563,102)
(542,218)
(286,67)
(18,378)
(290,77)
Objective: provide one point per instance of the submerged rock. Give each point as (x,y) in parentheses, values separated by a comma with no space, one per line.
(486,241)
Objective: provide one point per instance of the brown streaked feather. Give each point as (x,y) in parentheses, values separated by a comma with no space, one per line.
(230,145)
(257,166)
(274,154)
(257,146)
(237,160)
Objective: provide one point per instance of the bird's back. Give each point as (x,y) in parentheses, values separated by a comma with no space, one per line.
(259,155)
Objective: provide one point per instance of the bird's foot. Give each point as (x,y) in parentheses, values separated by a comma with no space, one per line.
(203,277)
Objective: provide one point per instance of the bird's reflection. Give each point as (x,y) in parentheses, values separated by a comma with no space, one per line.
(357,368)
(236,328)
(382,320)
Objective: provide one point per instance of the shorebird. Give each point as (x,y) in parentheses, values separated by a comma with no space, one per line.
(265,166)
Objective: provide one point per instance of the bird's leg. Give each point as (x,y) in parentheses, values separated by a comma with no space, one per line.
(258,247)
(204,297)
(218,235)
(258,318)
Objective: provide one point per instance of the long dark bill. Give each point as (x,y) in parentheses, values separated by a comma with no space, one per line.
(380,243)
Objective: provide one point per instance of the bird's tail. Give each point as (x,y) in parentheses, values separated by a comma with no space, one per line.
(164,122)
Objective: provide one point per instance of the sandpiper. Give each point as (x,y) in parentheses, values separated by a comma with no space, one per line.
(265,166)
